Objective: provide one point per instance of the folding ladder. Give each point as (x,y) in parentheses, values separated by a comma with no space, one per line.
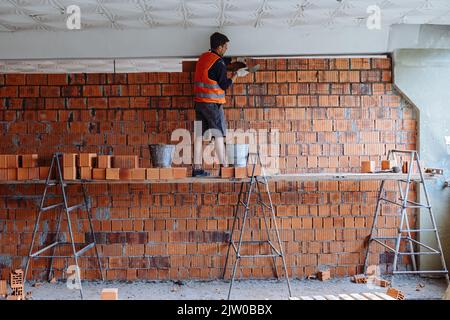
(404,230)
(59,181)
(247,188)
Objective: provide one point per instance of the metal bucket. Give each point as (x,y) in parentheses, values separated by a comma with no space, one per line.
(161,154)
(237,154)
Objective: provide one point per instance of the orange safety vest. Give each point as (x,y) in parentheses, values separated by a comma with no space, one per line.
(205,89)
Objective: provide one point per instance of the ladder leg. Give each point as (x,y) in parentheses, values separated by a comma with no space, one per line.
(402,219)
(278,237)
(69,223)
(238,253)
(410,243)
(235,217)
(433,221)
(50,272)
(89,214)
(266,223)
(36,224)
(374,224)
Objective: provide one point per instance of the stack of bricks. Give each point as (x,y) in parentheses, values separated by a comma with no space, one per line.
(69,163)
(17,285)
(103,165)
(240,172)
(28,168)
(331,114)
(86,161)
(9,164)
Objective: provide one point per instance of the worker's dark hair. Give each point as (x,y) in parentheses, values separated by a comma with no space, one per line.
(217,39)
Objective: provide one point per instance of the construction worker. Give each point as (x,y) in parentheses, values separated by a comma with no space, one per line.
(210,83)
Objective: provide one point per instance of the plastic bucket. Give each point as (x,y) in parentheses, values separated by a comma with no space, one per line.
(237,154)
(162,154)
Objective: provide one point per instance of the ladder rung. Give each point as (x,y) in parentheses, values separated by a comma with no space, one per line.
(420,271)
(264,204)
(418,230)
(70,209)
(86,248)
(53,206)
(52,184)
(401,204)
(417,253)
(258,255)
(37,253)
(243,204)
(416,203)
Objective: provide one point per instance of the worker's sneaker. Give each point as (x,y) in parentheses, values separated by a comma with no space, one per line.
(200,173)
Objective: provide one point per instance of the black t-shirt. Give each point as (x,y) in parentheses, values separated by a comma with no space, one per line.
(218,72)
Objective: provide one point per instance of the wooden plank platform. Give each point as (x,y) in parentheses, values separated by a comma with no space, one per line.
(351,296)
(275,178)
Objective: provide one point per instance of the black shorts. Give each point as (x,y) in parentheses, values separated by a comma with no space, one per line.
(212,117)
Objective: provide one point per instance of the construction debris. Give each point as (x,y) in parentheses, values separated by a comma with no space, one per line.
(419,286)
(381,282)
(324,275)
(53,280)
(395,293)
(110,294)
(17,286)
(359,278)
(3,289)
(37,284)
(311,276)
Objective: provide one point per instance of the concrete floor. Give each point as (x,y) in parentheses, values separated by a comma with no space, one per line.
(242,290)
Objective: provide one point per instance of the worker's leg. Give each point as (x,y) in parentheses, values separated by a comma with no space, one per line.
(198,151)
(220,150)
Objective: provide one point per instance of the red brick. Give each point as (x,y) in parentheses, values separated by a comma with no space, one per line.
(22,174)
(29,160)
(240,172)
(104,161)
(127,162)
(227,172)
(87,159)
(15,79)
(86,173)
(349,76)
(265,77)
(112,173)
(69,159)
(98,174)
(328,76)
(12,174)
(12,161)
(179,173)
(43,172)
(286,76)
(307,76)
(152,173)
(165,173)
(33,173)
(138,173)
(119,102)
(360,63)
(69,173)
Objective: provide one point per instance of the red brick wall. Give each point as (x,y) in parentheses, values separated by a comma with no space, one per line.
(331,113)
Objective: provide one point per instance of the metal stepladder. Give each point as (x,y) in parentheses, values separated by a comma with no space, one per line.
(59,181)
(247,188)
(404,230)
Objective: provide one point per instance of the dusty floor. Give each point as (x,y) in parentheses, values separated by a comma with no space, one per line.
(245,290)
